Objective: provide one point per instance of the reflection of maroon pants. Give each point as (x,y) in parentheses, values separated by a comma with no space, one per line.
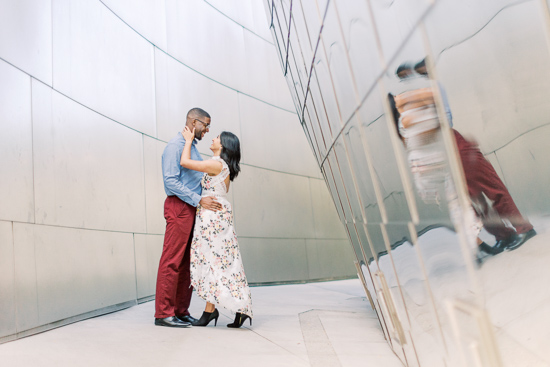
(481,178)
(173,279)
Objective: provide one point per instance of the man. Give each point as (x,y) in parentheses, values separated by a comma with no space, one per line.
(481,179)
(183,188)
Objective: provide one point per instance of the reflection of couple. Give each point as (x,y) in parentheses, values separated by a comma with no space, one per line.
(481,178)
(200,245)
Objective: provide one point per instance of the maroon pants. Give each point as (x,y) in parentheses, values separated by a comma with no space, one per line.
(174,289)
(483,181)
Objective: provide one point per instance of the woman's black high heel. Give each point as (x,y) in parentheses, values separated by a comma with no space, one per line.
(239,320)
(207,317)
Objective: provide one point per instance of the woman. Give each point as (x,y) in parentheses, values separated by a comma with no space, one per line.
(217,272)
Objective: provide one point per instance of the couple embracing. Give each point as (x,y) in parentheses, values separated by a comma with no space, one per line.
(200,248)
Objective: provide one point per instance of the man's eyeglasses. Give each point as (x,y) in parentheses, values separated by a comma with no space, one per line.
(204,123)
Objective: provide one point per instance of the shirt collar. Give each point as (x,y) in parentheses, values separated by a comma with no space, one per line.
(181,136)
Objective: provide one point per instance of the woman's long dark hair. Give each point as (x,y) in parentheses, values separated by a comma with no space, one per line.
(231,153)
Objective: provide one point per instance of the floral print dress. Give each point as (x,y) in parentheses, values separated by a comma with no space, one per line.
(217,272)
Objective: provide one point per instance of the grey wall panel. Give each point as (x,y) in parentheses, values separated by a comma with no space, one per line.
(142,271)
(262,68)
(189,41)
(264,148)
(147,17)
(104,277)
(179,89)
(326,221)
(154,186)
(26,36)
(101,62)
(16,186)
(524,164)
(240,11)
(272,204)
(26,291)
(7,280)
(154,250)
(247,13)
(88,169)
(329,258)
(262,262)
(260,27)
(148,249)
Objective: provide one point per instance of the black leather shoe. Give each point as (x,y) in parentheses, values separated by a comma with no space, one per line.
(489,250)
(171,321)
(502,245)
(521,239)
(187,318)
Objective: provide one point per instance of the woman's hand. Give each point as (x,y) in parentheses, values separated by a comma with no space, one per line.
(188,135)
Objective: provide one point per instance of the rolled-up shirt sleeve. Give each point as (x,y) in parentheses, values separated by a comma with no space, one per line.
(171,170)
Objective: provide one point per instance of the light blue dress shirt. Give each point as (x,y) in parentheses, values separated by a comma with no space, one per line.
(446,104)
(178,181)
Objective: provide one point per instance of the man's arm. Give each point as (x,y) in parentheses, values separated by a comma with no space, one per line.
(171,171)
(446,104)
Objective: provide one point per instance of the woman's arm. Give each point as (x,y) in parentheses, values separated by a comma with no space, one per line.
(210,166)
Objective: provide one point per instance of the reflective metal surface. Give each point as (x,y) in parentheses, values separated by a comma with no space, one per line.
(429,122)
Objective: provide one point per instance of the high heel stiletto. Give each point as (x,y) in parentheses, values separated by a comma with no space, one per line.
(239,320)
(207,317)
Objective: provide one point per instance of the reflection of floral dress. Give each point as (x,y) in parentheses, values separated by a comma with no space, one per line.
(217,272)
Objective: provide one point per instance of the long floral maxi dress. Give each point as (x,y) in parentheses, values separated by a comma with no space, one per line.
(217,272)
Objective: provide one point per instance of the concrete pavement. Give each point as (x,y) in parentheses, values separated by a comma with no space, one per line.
(316,324)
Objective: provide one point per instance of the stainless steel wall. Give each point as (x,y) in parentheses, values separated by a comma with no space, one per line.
(90,93)
(414,227)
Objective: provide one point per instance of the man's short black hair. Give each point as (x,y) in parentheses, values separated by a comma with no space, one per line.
(421,64)
(197,112)
(403,67)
